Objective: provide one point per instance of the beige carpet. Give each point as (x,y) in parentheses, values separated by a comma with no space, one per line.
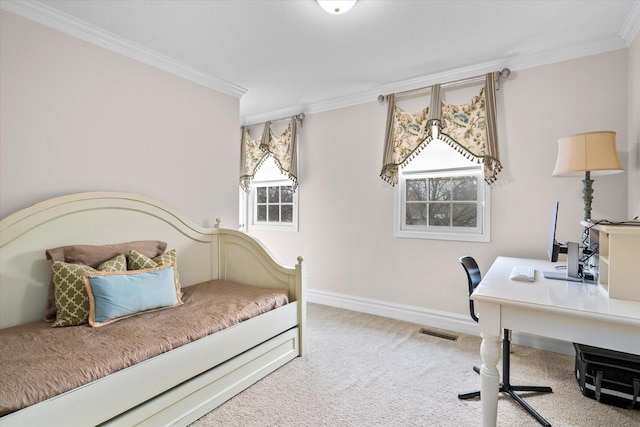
(364,370)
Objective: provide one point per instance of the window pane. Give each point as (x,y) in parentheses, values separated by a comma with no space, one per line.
(262,213)
(287,213)
(416,214)
(273,204)
(274,213)
(441,196)
(286,194)
(465,188)
(439,214)
(273,194)
(416,189)
(440,189)
(261,194)
(465,215)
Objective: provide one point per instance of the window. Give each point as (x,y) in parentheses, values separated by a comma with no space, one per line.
(442,195)
(271,204)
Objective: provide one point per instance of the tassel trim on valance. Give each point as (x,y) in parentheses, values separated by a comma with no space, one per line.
(245,180)
(390,171)
(491,165)
(467,122)
(291,176)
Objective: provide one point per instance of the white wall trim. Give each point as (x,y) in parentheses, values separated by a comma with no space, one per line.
(514,63)
(371,95)
(46,15)
(631,26)
(430,318)
(567,54)
(418,315)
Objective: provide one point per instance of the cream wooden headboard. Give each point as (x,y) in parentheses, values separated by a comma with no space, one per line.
(98,218)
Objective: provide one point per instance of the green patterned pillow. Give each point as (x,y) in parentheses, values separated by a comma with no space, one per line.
(138,261)
(71,299)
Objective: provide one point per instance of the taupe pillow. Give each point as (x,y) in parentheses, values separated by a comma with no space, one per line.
(93,256)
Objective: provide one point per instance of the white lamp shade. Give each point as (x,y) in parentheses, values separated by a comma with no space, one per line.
(336,7)
(591,151)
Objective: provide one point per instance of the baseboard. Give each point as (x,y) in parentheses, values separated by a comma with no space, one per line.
(432,318)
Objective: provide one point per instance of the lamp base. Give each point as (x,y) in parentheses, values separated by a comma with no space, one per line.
(587,194)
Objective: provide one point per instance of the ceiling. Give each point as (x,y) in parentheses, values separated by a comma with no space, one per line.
(289,56)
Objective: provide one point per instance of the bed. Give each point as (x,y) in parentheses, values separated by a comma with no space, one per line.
(175,385)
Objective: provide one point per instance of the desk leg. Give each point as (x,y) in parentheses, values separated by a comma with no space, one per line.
(489,379)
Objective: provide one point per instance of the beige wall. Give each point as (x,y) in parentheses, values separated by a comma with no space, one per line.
(634,128)
(76,117)
(346,211)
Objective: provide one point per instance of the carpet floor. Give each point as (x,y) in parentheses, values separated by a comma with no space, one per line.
(365,370)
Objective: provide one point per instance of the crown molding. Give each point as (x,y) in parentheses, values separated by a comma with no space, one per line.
(46,15)
(371,95)
(271,115)
(443,77)
(514,63)
(567,54)
(631,26)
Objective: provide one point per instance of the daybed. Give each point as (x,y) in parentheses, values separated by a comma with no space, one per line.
(185,381)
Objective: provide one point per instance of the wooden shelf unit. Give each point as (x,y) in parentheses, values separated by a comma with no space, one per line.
(617,259)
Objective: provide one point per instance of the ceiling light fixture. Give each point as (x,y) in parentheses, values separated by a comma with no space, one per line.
(336,7)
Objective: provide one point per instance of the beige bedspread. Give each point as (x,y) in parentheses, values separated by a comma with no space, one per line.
(38,362)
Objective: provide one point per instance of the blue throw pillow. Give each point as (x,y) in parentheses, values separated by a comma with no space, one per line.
(117,295)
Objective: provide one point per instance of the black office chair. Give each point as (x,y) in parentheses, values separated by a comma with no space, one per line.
(474,277)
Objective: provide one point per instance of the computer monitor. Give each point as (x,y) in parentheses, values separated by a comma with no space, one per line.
(572,273)
(555,248)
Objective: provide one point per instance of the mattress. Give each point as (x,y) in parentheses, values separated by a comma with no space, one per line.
(38,362)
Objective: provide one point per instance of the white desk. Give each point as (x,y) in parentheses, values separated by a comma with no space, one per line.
(575,312)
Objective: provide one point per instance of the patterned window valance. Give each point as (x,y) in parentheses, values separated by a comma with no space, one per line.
(406,134)
(469,128)
(283,148)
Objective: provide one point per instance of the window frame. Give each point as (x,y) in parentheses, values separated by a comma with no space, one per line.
(481,233)
(252,206)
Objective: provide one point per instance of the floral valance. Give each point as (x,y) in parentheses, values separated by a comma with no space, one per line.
(405,135)
(468,128)
(283,148)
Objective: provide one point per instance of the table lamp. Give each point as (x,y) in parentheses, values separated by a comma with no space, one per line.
(592,153)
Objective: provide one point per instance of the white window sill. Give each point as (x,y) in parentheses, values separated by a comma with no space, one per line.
(275,227)
(430,235)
